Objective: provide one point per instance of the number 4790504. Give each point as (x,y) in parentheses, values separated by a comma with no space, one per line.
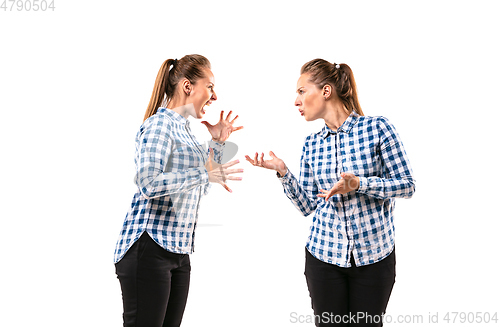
(27,5)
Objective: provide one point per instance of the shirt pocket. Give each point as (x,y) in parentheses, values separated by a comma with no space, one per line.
(364,162)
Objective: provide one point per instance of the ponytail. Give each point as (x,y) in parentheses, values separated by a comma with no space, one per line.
(159,89)
(348,90)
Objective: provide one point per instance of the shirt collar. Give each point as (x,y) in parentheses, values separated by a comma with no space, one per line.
(172,114)
(345,127)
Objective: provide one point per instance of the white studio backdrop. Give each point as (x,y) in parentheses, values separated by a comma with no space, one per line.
(75,82)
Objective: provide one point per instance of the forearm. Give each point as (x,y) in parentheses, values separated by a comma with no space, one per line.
(297,195)
(171,182)
(382,188)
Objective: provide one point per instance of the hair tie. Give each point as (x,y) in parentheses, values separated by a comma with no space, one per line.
(175,62)
(337,66)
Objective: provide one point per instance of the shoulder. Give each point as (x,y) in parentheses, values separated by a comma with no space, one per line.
(373,120)
(312,138)
(378,123)
(158,124)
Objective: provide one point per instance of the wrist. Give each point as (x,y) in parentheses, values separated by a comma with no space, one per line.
(282,172)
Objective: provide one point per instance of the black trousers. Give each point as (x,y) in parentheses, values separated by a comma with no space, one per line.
(154,283)
(355,296)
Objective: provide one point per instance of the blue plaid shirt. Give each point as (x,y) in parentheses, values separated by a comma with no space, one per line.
(359,223)
(171,178)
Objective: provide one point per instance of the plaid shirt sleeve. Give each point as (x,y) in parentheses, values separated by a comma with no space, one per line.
(303,194)
(155,147)
(397,180)
(218,152)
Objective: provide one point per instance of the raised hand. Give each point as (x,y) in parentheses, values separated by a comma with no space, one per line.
(275,163)
(218,173)
(221,131)
(348,183)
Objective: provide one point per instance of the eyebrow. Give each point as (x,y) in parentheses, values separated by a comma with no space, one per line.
(299,89)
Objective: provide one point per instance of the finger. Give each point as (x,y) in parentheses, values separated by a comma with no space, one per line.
(207,124)
(262,158)
(229,115)
(271,153)
(232,171)
(250,160)
(231,163)
(232,121)
(237,128)
(222,115)
(332,192)
(323,193)
(256,158)
(233,178)
(227,188)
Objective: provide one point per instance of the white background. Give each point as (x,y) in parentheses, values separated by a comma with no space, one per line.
(74,86)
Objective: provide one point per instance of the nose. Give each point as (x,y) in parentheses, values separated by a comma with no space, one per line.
(214,96)
(298,103)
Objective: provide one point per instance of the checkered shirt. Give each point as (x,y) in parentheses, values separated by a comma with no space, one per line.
(359,223)
(171,178)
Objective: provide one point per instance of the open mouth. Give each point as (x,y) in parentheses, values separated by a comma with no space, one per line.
(208,103)
(301,112)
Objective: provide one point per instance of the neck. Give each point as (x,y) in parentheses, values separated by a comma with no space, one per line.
(182,108)
(336,114)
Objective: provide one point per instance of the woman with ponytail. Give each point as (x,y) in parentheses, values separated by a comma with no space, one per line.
(350,174)
(173,172)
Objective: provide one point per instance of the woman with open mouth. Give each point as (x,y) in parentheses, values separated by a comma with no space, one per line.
(350,174)
(173,173)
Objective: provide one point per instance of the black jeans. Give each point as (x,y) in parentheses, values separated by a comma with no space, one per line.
(155,284)
(350,296)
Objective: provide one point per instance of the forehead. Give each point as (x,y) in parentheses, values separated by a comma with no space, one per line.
(303,81)
(209,76)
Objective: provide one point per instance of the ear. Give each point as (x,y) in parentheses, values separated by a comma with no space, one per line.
(186,86)
(327,91)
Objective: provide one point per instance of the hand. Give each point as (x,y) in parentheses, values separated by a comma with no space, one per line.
(218,173)
(220,132)
(348,183)
(275,163)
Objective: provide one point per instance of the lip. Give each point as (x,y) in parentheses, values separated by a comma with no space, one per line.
(301,112)
(208,103)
